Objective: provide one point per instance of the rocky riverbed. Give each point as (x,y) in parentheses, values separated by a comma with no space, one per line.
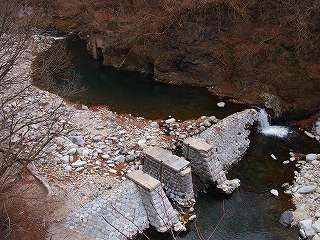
(306,192)
(97,147)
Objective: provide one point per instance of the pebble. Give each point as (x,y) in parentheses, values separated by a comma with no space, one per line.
(307,189)
(105,156)
(170,121)
(274,192)
(311,157)
(154,125)
(78,163)
(67,168)
(221,104)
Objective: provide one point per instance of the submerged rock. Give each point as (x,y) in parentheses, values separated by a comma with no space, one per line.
(286,218)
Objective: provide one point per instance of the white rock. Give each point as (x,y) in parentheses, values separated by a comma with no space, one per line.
(119,158)
(84,107)
(65,159)
(170,121)
(306,226)
(78,163)
(307,189)
(67,168)
(154,125)
(221,104)
(274,192)
(72,151)
(97,138)
(142,142)
(316,226)
(310,135)
(79,169)
(105,156)
(77,140)
(316,237)
(113,171)
(311,157)
(273,157)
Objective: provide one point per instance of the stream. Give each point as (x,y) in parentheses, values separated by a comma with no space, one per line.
(251,212)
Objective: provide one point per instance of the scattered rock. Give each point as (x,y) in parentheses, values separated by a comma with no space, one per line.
(311,157)
(306,226)
(307,189)
(77,140)
(221,104)
(78,163)
(170,121)
(274,192)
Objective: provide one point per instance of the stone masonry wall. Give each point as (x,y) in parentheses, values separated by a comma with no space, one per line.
(115,216)
(126,211)
(203,160)
(230,136)
(159,210)
(174,172)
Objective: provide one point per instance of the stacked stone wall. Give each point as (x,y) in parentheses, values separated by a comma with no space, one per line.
(230,136)
(204,161)
(174,172)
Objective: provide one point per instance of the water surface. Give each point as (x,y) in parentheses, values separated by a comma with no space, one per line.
(139,94)
(251,212)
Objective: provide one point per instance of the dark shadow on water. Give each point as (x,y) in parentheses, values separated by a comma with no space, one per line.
(138,94)
(251,213)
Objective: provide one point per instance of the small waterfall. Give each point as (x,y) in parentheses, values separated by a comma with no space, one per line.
(267,129)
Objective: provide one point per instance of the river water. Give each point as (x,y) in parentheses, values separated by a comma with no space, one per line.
(138,94)
(251,212)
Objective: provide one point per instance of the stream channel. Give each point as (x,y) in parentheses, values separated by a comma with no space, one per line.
(251,212)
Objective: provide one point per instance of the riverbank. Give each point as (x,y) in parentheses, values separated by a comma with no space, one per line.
(306,191)
(97,148)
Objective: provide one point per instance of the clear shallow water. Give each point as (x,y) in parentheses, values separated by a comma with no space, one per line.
(251,212)
(138,94)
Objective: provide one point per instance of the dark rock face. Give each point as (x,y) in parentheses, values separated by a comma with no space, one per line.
(248,51)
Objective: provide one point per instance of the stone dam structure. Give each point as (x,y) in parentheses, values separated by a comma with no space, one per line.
(143,199)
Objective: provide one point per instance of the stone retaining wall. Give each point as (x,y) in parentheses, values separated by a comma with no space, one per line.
(115,216)
(204,161)
(159,210)
(174,172)
(230,136)
(126,211)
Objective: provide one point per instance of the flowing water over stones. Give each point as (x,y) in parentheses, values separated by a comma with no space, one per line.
(270,130)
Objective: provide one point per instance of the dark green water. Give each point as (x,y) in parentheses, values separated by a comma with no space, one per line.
(138,94)
(251,212)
